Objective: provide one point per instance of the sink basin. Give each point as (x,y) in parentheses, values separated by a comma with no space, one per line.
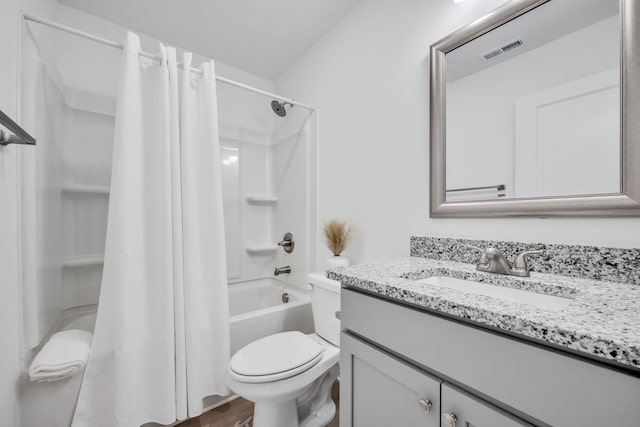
(544,301)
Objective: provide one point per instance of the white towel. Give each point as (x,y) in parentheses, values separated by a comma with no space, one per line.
(64,355)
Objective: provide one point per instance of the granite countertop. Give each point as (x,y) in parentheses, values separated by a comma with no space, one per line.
(602,318)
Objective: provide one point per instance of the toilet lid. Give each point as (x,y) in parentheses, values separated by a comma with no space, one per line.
(276,354)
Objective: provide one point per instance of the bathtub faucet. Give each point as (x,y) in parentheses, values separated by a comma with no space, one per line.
(282,270)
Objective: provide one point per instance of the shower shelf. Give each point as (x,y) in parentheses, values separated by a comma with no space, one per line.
(266,249)
(78,189)
(83,260)
(262,200)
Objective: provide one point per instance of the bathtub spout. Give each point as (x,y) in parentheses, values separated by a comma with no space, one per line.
(282,270)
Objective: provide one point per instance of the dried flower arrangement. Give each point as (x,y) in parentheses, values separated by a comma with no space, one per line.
(337,236)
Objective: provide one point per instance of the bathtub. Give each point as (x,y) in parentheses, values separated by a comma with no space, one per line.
(83,318)
(257,309)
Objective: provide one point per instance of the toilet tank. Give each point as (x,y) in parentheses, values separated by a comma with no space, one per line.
(325,304)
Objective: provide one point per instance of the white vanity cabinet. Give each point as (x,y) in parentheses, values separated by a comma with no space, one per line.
(395,359)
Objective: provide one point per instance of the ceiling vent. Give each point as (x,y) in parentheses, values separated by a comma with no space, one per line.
(497,51)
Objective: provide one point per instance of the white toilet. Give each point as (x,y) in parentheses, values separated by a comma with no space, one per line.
(289,375)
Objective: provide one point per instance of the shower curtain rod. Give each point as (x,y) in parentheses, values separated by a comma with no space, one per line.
(120,46)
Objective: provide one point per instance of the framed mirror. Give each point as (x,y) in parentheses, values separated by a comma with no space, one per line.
(535,111)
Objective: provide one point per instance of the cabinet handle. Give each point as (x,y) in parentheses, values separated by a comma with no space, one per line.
(449,419)
(424,405)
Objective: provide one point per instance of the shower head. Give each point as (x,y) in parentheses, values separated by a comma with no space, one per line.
(279,107)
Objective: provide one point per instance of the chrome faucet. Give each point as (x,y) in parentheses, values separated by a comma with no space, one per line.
(282,270)
(493,261)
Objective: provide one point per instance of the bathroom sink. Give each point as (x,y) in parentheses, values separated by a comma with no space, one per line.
(544,301)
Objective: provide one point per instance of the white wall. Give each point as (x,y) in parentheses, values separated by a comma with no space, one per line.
(369,78)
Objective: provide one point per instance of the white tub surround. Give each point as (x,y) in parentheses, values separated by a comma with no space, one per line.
(599,323)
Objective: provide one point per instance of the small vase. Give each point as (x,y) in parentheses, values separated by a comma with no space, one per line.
(337,261)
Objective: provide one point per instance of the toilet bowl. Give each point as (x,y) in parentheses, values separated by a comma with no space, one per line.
(289,375)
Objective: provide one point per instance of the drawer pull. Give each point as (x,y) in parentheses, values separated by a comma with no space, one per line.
(424,405)
(449,419)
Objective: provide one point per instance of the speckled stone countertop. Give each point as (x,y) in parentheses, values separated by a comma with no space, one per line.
(602,319)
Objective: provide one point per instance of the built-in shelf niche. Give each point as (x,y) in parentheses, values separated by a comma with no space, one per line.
(81,206)
(81,189)
(262,200)
(261,249)
(83,260)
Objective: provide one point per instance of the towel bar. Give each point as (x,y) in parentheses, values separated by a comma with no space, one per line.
(21,136)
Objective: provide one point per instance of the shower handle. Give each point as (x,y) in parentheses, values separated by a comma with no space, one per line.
(287,243)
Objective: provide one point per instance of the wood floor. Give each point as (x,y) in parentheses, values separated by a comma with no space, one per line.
(240,409)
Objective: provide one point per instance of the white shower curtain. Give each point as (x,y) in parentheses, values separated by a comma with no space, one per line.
(161,342)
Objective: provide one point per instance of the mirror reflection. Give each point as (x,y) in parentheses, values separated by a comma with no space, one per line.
(533,106)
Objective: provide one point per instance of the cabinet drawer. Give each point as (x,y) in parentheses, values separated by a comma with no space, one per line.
(528,380)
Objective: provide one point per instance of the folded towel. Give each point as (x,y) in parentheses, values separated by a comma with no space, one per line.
(64,355)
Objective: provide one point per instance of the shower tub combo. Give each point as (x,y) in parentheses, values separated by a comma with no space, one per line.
(257,308)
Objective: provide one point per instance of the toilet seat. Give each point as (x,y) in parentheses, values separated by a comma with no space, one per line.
(275,357)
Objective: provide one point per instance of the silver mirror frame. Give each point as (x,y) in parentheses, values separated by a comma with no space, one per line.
(626,203)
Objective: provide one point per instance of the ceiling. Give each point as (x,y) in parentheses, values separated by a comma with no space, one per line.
(262,37)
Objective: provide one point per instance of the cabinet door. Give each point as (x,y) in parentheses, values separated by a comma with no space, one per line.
(377,389)
(460,409)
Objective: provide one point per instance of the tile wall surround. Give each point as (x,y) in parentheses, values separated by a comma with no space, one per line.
(589,262)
